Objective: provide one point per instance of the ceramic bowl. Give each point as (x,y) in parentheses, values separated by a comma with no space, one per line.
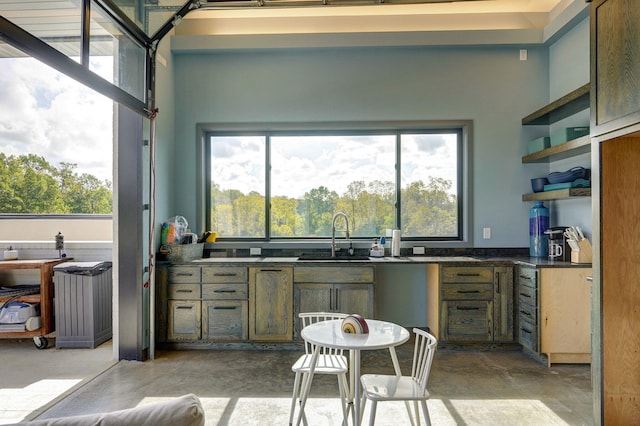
(538,184)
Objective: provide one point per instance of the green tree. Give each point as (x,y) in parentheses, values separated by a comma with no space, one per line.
(285,221)
(317,207)
(429,209)
(29,184)
(249,215)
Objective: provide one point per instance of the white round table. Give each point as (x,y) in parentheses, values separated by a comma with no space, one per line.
(382,335)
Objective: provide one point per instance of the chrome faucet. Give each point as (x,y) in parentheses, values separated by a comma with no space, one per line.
(333,231)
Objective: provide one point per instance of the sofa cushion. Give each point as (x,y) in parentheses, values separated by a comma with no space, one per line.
(184,411)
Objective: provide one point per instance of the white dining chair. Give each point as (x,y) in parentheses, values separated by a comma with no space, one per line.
(380,387)
(330,361)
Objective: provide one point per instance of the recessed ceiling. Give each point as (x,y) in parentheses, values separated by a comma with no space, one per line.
(383,17)
(58,21)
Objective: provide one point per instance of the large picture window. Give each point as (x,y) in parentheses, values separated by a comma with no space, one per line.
(289,184)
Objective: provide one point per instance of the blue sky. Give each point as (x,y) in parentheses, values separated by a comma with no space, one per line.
(46,113)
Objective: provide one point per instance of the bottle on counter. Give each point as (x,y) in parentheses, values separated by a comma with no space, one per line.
(538,223)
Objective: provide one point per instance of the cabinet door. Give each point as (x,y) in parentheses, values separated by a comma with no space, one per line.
(311,298)
(503,304)
(565,314)
(615,65)
(467,321)
(225,320)
(184,320)
(271,304)
(528,334)
(354,299)
(528,308)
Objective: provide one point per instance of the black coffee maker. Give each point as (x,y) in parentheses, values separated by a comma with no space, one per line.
(558,246)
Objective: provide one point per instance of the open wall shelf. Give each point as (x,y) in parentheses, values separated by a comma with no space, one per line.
(568,149)
(569,104)
(558,194)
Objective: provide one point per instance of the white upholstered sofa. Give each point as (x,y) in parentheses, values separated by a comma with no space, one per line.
(185,410)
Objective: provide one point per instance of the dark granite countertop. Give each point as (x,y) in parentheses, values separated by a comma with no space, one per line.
(463,260)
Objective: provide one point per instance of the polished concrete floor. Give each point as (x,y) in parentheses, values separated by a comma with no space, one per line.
(468,387)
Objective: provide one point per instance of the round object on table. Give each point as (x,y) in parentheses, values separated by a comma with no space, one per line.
(354,324)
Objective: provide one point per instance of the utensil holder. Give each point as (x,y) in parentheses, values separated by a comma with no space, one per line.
(583,255)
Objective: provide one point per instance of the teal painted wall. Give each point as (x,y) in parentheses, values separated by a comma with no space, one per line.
(165,140)
(568,70)
(489,85)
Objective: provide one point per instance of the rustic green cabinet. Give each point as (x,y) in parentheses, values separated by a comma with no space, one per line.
(183,304)
(224,303)
(343,289)
(271,304)
(202,303)
(528,334)
(466,304)
(470,303)
(503,306)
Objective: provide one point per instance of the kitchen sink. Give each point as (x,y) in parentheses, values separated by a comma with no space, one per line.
(312,256)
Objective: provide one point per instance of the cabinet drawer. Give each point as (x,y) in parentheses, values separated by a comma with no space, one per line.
(334,274)
(183,291)
(527,295)
(184,274)
(528,334)
(184,320)
(225,291)
(528,313)
(467,274)
(477,291)
(527,277)
(230,274)
(225,320)
(468,321)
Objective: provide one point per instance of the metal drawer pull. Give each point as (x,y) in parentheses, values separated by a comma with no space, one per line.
(184,291)
(184,274)
(270,270)
(468,274)
(225,307)
(468,291)
(466,308)
(224,291)
(184,307)
(225,274)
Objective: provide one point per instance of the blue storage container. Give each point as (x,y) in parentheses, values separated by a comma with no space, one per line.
(567,134)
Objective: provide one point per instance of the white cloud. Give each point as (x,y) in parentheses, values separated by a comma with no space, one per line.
(304,163)
(46,113)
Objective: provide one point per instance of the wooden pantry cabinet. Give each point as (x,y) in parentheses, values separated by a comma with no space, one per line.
(615,65)
(554,310)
